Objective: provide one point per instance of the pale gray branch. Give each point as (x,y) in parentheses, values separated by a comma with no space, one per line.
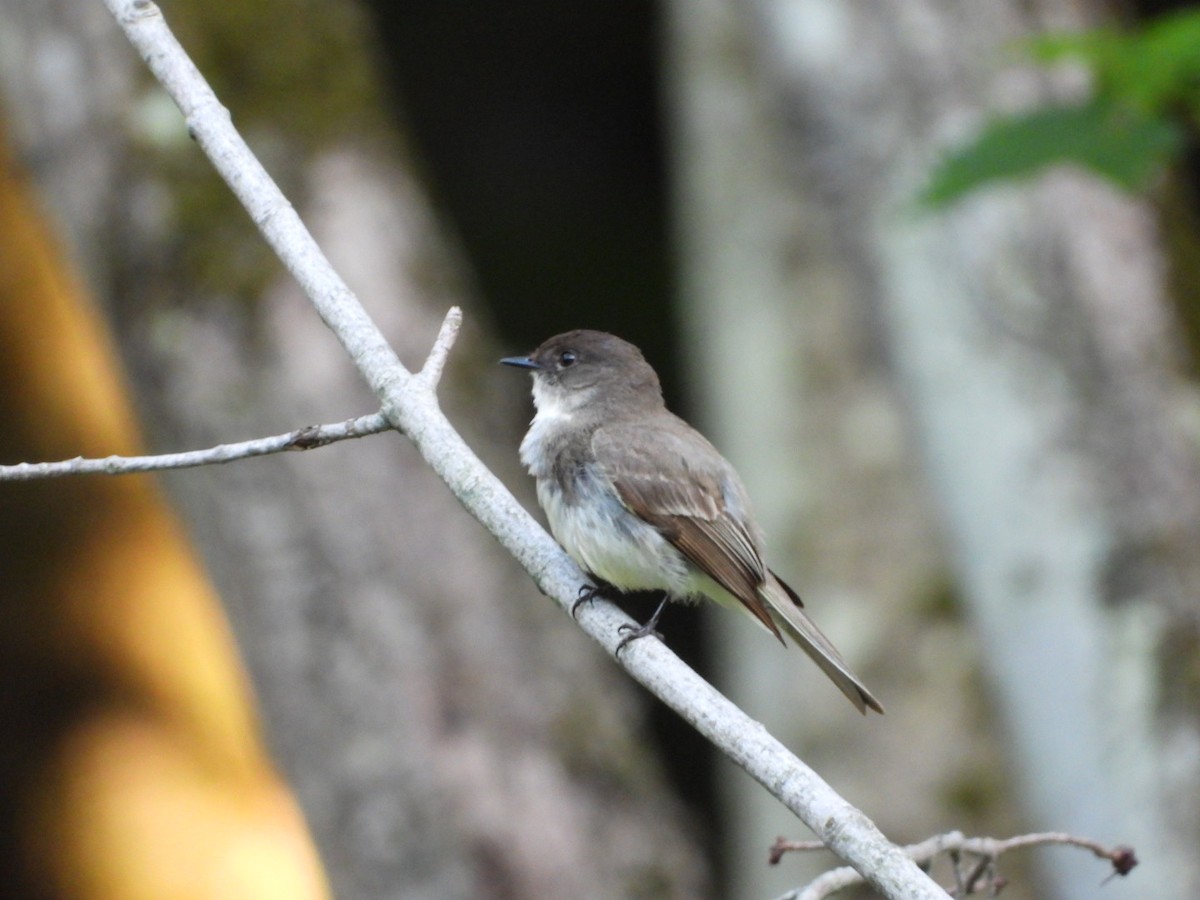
(431,372)
(306,438)
(987,850)
(410,405)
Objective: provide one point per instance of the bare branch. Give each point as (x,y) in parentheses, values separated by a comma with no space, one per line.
(307,438)
(981,874)
(410,404)
(431,372)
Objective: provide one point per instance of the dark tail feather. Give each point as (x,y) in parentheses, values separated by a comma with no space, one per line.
(785,609)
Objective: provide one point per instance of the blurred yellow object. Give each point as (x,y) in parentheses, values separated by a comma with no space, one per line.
(130,760)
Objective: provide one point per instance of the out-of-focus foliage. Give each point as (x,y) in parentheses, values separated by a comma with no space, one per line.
(1145,96)
(1155,68)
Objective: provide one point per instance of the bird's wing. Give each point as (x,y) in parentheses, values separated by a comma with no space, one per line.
(688,505)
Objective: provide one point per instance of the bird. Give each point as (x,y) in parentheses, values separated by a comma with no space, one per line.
(643,502)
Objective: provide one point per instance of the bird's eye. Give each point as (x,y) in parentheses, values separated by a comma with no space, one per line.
(567,358)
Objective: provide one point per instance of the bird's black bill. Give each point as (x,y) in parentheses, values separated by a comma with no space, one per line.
(520,362)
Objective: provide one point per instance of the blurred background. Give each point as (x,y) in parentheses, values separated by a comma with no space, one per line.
(970,430)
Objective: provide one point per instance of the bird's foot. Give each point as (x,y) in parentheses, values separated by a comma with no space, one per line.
(587,594)
(634,632)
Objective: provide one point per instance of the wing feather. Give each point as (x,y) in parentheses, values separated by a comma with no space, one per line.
(688,507)
(701,509)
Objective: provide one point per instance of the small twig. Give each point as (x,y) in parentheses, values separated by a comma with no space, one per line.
(782,845)
(1123,858)
(307,438)
(431,372)
(302,439)
(984,868)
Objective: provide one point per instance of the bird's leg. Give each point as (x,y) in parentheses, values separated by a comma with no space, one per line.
(633,632)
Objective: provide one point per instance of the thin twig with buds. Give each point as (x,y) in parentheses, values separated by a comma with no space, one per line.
(981,874)
(307,438)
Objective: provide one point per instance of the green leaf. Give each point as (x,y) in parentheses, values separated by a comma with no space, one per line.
(1152,68)
(1117,142)
(1164,63)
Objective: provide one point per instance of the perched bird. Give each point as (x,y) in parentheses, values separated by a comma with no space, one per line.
(643,502)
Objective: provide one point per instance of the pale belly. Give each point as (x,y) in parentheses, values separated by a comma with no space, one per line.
(611,543)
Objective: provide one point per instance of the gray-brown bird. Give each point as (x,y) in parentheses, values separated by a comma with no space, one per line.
(643,502)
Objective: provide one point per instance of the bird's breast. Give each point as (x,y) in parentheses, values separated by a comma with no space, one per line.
(607,540)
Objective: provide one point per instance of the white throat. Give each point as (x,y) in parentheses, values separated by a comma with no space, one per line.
(556,409)
(553,406)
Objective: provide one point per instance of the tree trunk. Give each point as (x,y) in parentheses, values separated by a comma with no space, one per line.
(1027,335)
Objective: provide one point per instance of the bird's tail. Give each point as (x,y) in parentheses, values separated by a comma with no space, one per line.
(786,610)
